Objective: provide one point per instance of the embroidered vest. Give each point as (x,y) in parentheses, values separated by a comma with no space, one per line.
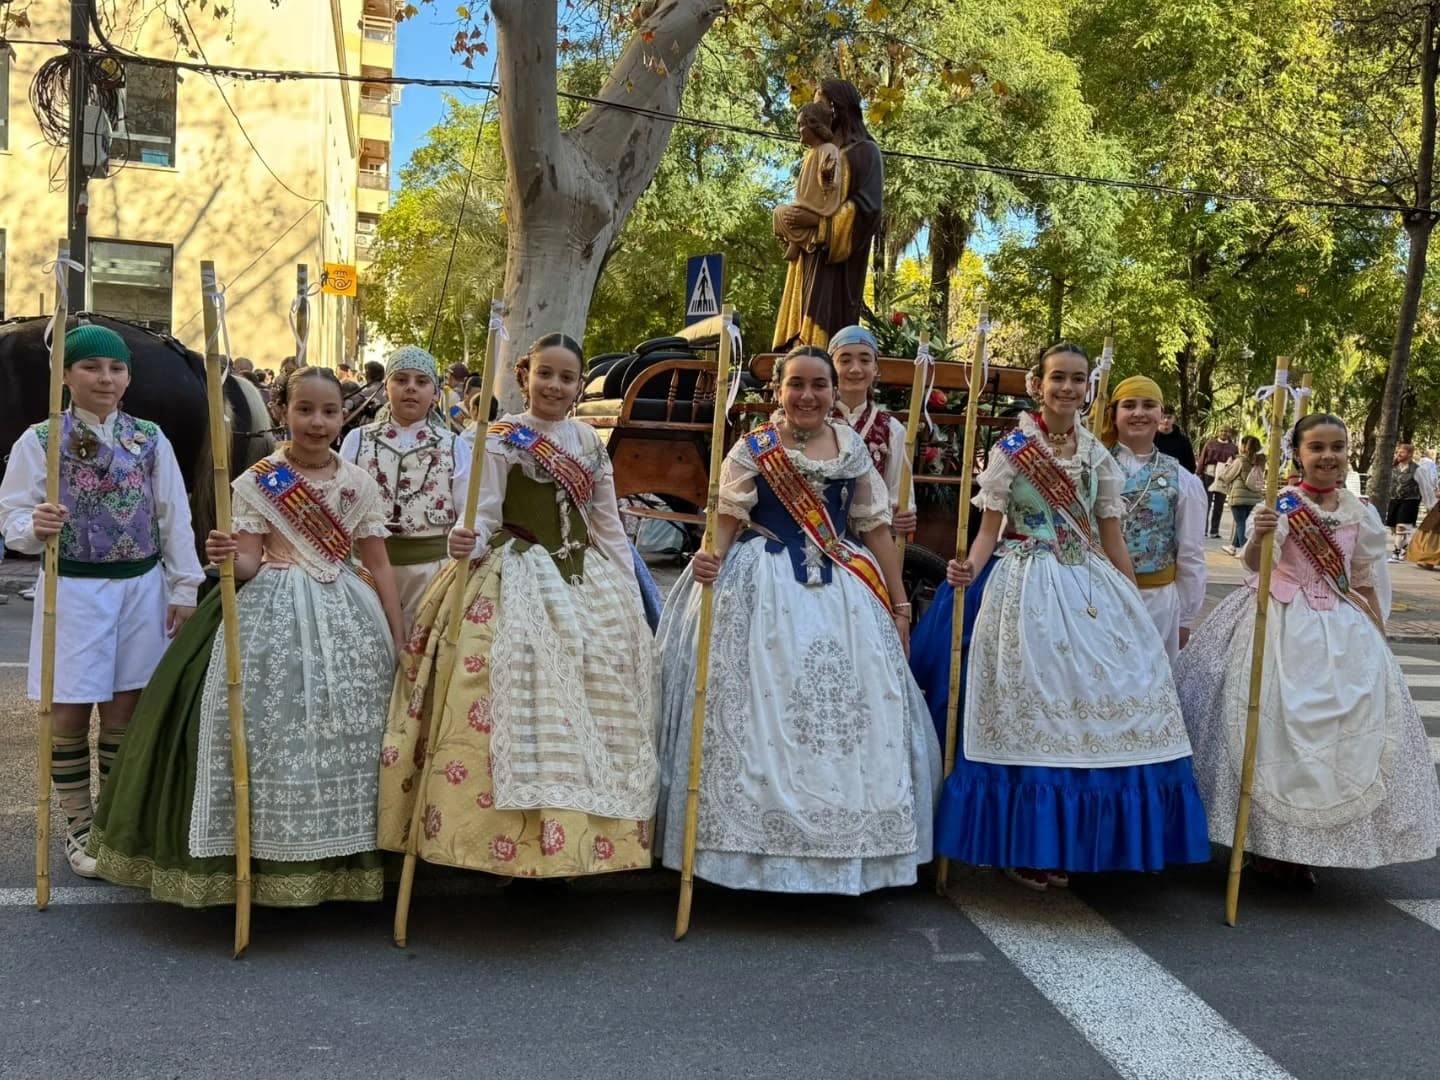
(1152,496)
(810,564)
(108,490)
(415,484)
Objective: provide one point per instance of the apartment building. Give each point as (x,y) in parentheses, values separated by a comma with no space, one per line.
(185,183)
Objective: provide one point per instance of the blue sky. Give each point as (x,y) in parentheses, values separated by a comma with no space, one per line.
(422,49)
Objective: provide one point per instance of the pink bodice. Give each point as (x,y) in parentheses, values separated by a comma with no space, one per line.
(1294,573)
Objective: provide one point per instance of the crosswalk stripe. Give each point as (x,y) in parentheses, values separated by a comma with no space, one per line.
(1427,911)
(1146,1023)
(1428,710)
(1422,682)
(1435,749)
(1417,662)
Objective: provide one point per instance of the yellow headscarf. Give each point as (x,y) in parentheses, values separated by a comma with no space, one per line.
(1136,386)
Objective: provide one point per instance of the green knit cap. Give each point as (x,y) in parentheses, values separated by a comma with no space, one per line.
(91,342)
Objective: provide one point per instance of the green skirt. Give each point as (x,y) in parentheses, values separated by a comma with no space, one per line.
(141,832)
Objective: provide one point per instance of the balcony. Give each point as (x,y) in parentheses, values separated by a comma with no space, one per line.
(375,108)
(377,45)
(374,194)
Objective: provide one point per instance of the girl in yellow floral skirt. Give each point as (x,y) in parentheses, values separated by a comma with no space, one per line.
(544,762)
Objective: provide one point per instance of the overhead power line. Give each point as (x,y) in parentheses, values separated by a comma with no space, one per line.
(1012,171)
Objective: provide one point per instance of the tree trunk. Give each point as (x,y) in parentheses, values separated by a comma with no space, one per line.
(949,233)
(568,193)
(1057,307)
(1418,226)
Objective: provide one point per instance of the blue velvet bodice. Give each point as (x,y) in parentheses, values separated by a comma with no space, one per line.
(810,564)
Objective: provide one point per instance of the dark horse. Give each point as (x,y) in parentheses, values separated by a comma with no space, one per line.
(167,386)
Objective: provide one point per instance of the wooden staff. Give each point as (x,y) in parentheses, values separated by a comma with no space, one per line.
(215,365)
(1102,388)
(1278,402)
(707,621)
(912,435)
(975,387)
(51,567)
(457,615)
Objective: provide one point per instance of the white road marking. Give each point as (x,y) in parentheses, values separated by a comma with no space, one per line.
(1138,1016)
(1427,911)
(1428,710)
(1422,682)
(1416,661)
(26,664)
(1434,742)
(74,895)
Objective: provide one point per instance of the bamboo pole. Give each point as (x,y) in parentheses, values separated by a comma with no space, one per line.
(912,436)
(707,621)
(1302,407)
(975,387)
(215,365)
(452,633)
(1278,402)
(51,567)
(1102,388)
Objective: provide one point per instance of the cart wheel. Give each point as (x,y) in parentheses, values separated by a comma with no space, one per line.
(923,572)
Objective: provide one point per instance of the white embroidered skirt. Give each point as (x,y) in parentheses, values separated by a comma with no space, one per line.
(1343,772)
(820,765)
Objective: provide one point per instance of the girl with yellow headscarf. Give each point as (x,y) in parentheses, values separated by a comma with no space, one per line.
(1164,521)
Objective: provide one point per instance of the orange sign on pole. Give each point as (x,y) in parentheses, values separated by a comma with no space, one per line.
(339,280)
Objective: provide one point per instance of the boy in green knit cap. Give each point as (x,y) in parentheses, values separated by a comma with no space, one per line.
(128,568)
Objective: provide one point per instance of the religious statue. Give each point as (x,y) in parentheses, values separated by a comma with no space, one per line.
(825,280)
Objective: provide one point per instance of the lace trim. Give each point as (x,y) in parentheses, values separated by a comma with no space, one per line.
(176,886)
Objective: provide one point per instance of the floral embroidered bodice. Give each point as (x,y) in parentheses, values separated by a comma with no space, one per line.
(107,484)
(1152,494)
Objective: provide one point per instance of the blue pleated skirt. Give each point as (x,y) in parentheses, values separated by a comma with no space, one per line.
(1138,817)
(649,591)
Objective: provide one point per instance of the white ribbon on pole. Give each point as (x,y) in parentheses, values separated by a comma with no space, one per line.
(497,319)
(59,268)
(924,357)
(1281,385)
(730,330)
(1107,358)
(222,332)
(300,343)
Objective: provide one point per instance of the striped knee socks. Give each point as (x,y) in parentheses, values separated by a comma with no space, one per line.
(70,774)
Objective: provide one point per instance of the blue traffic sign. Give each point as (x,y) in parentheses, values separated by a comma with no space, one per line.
(704,286)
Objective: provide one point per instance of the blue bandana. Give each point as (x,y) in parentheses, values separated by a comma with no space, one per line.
(853,335)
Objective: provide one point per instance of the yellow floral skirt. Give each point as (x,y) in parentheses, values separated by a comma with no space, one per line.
(459,823)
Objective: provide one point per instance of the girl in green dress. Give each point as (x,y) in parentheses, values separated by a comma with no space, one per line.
(317,654)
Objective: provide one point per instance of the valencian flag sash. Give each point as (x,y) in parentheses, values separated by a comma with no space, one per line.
(303,508)
(572,476)
(808,511)
(1034,463)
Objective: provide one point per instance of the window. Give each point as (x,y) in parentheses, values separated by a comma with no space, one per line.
(4,97)
(149,135)
(132,281)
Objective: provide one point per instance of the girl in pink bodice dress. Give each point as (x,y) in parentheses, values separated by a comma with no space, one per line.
(1343,772)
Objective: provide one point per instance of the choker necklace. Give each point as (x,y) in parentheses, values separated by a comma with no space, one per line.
(1057,442)
(295,459)
(1311,490)
(800,436)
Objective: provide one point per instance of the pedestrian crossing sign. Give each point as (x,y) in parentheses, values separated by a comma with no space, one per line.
(704,285)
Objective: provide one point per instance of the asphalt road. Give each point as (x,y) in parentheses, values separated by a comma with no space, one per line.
(1126,976)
